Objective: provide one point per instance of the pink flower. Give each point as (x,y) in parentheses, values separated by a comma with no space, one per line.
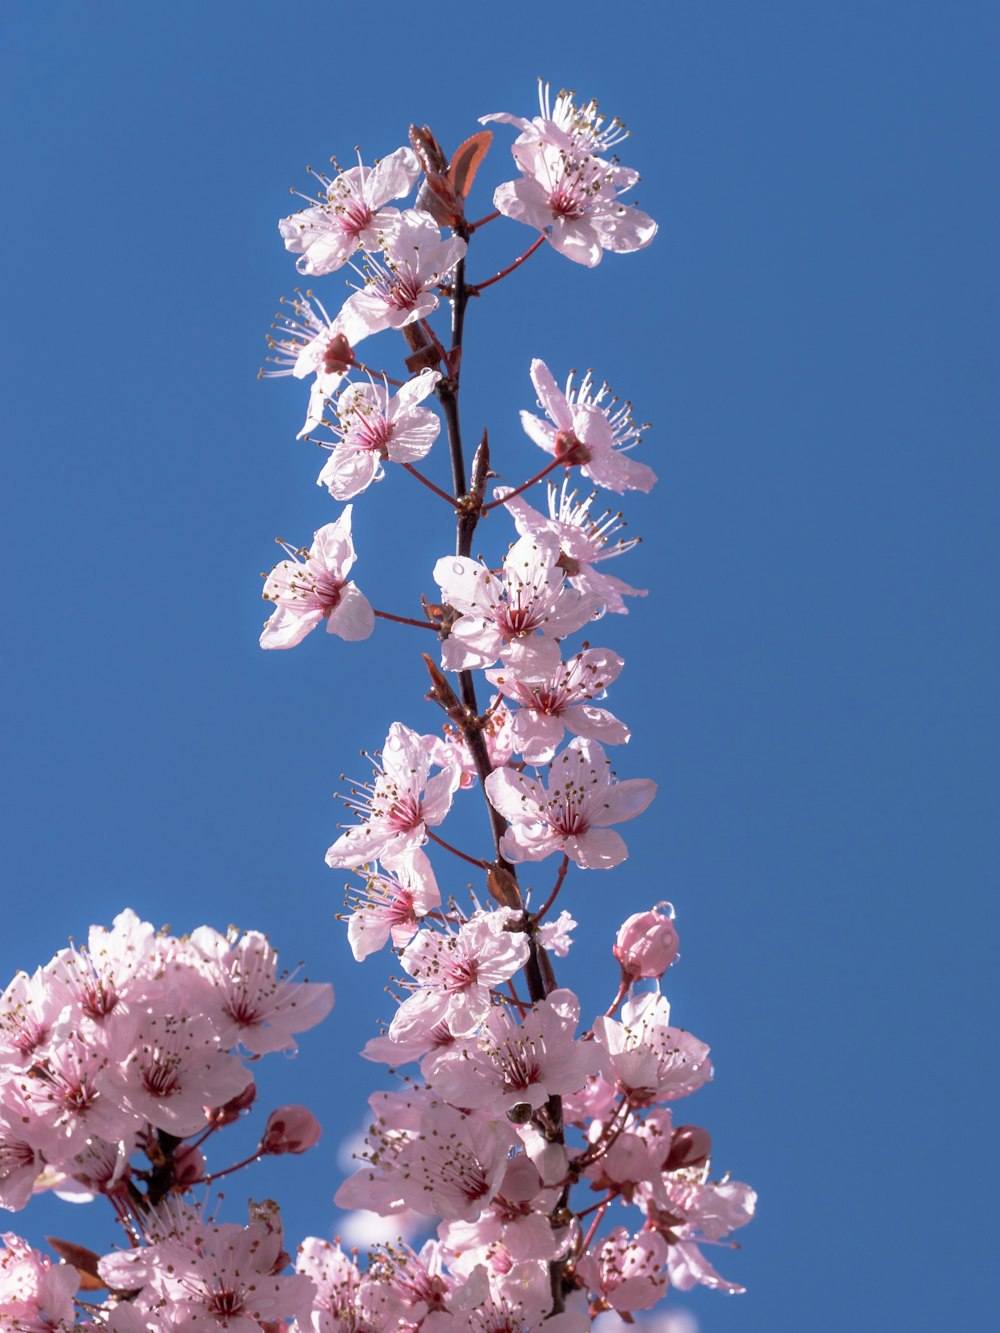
(400,289)
(627,1271)
(336,1281)
(573,815)
(402,802)
(310,590)
(247,1001)
(555,695)
(649,1059)
(455,973)
(168,1068)
(517,1301)
(391,904)
(372,427)
(327,234)
(511,1063)
(584,541)
(308,342)
(566,125)
(572,198)
(496,615)
(588,431)
(453,1167)
(647,943)
(35,1295)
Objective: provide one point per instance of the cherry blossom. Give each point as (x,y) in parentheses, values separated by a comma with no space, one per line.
(587,426)
(248,1002)
(454,1165)
(336,1281)
(455,973)
(403,801)
(399,289)
(497,614)
(646,1057)
(35,1296)
(627,1272)
(566,125)
(353,214)
(511,1063)
(308,342)
(518,1302)
(314,588)
(573,814)
(555,696)
(391,904)
(573,199)
(373,426)
(584,541)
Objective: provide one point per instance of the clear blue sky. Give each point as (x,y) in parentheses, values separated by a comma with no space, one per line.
(814,335)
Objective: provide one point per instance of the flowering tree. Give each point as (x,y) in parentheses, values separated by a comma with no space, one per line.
(542,1155)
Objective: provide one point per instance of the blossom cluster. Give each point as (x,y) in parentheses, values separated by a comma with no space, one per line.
(534,1156)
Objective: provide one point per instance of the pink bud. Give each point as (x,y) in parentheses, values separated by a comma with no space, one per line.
(290,1129)
(690,1145)
(647,943)
(228,1114)
(189,1165)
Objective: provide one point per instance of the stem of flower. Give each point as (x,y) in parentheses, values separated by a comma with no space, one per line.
(405,620)
(481,222)
(472,860)
(549,467)
(481,286)
(539,915)
(429,484)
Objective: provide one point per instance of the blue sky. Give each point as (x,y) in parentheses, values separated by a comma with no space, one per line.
(813,335)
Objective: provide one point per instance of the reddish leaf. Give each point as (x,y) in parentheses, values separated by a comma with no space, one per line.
(468,156)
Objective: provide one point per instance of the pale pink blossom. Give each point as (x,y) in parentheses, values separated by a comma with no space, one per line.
(647,1058)
(391,904)
(629,1272)
(311,586)
(555,696)
(373,426)
(336,1281)
(454,1165)
(555,935)
(587,427)
(573,127)
(36,1296)
(511,1063)
(401,1286)
(584,541)
(403,801)
(66,1092)
(352,215)
(306,342)
(454,973)
(396,1122)
(168,1067)
(30,1008)
(572,815)
(515,1223)
(247,1000)
(573,199)
(497,615)
(400,288)
(518,1301)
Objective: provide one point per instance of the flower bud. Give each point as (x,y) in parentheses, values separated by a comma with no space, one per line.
(229,1113)
(189,1165)
(290,1129)
(647,943)
(690,1145)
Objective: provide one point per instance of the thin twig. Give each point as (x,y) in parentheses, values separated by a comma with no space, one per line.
(526,485)
(430,485)
(481,286)
(406,620)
